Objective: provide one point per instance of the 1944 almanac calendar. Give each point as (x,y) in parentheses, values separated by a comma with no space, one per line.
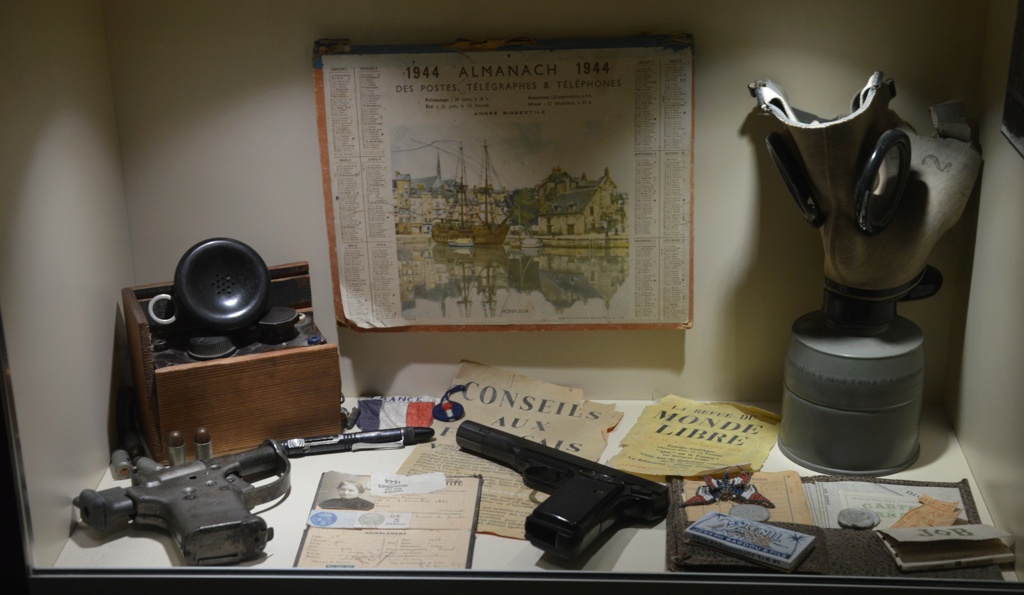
(509,185)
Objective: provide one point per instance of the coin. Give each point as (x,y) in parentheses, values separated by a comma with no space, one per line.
(750,512)
(858,518)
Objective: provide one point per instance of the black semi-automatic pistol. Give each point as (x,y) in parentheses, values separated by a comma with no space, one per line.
(586,498)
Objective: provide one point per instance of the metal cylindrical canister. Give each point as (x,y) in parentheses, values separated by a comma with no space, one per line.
(851,402)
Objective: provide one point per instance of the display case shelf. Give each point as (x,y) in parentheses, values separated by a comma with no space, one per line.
(637,553)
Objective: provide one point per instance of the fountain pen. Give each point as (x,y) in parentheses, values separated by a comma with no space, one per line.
(353,441)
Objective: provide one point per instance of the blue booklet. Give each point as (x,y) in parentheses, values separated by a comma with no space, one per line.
(758,542)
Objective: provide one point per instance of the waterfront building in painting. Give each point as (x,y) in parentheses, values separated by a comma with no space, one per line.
(419,201)
(579,206)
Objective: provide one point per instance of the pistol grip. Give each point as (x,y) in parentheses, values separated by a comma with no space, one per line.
(208,516)
(574,516)
(227,543)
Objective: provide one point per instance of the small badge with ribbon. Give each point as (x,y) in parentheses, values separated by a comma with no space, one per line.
(448,410)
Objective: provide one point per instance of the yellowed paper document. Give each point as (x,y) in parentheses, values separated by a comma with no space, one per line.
(553,415)
(350,526)
(931,513)
(549,414)
(677,436)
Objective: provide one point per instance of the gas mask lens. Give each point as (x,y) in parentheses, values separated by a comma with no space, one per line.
(792,171)
(882,182)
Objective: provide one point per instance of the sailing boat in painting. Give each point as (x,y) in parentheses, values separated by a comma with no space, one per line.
(472,223)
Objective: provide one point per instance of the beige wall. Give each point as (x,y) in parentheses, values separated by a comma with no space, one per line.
(215,135)
(64,250)
(990,404)
(215,113)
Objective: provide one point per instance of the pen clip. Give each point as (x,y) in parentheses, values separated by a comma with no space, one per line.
(377,445)
(305,444)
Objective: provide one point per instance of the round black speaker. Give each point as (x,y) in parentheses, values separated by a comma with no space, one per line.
(222,283)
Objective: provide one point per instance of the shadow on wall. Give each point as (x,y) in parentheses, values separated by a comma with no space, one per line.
(784,280)
(377,358)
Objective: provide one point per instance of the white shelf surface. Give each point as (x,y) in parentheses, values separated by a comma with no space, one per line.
(634,550)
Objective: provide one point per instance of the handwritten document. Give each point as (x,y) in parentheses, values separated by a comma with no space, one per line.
(677,436)
(505,501)
(400,529)
(549,414)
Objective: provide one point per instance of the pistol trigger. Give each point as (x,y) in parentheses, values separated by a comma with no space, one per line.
(543,478)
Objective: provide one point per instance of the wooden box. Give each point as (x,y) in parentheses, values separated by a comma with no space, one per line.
(262,391)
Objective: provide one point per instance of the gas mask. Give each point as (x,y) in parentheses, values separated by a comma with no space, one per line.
(880,194)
